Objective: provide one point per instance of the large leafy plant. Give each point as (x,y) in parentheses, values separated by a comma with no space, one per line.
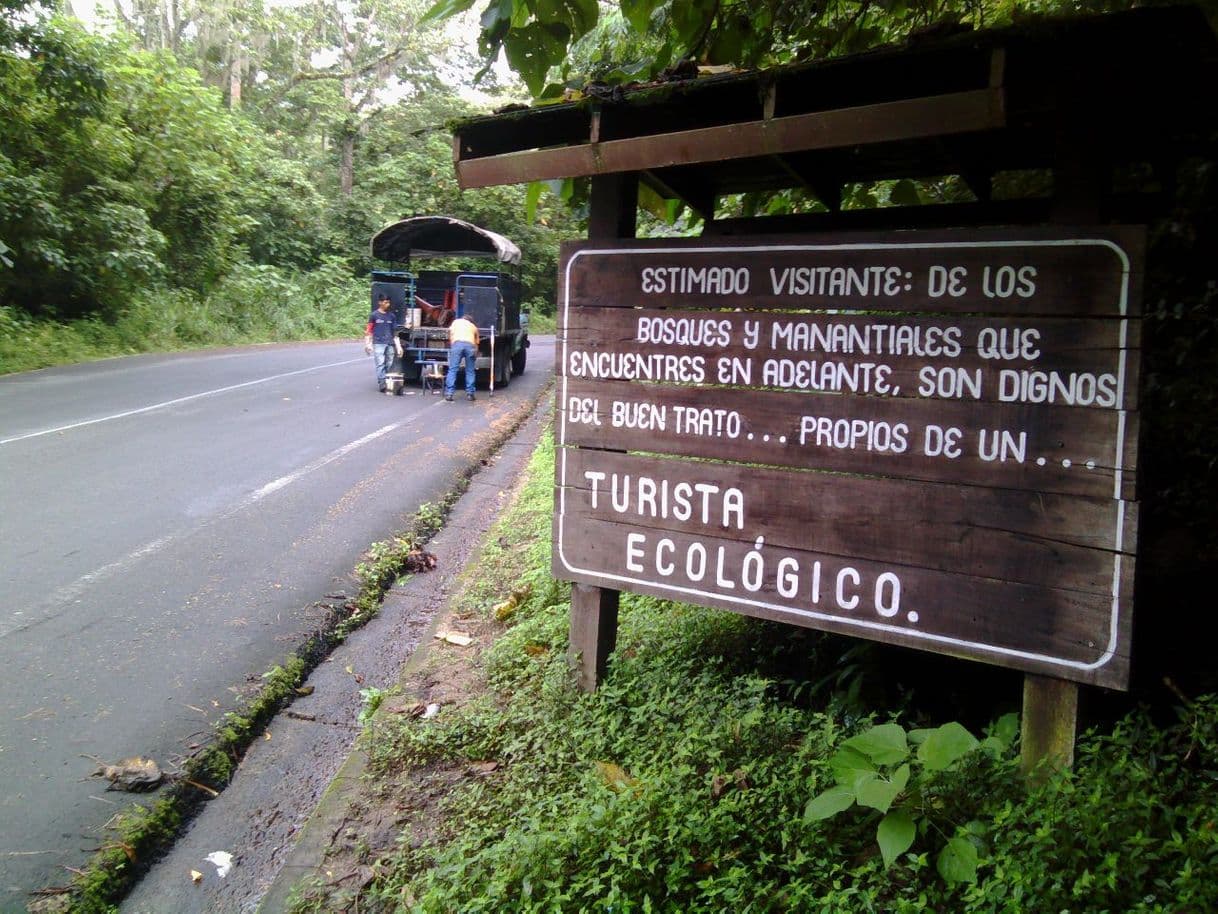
(898,773)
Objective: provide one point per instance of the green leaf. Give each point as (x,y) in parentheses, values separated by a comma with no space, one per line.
(532,50)
(584,15)
(876,792)
(727,46)
(884,745)
(895,835)
(904,193)
(638,13)
(496,12)
(652,202)
(879,792)
(445,9)
(847,764)
(531,196)
(1007,728)
(945,746)
(958,861)
(829,803)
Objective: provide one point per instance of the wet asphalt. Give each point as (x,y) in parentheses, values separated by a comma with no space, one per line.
(172,527)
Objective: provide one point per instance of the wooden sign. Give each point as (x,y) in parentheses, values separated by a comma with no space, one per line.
(923,439)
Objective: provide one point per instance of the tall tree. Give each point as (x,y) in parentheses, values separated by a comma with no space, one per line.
(352,61)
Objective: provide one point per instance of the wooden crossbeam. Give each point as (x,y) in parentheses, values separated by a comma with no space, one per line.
(952,113)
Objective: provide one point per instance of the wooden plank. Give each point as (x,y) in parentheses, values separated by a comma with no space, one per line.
(998,533)
(1044,626)
(1006,445)
(1064,361)
(936,272)
(951,113)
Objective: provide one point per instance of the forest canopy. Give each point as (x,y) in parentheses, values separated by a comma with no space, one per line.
(211,172)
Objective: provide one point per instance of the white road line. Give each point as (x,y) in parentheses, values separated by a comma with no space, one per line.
(70,592)
(145,409)
(282,481)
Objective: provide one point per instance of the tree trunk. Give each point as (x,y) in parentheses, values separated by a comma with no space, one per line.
(346,165)
(234,79)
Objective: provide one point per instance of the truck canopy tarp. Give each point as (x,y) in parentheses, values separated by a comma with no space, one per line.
(440,236)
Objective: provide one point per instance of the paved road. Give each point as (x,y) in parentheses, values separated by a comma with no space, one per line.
(168,527)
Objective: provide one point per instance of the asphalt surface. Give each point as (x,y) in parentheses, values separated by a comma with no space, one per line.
(171,527)
(292,794)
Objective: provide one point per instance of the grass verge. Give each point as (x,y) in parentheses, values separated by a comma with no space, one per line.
(690,781)
(252,304)
(139,833)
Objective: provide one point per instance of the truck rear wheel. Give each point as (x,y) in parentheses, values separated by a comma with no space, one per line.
(504,375)
(518,360)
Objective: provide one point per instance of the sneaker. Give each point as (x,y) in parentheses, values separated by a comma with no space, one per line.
(448,398)
(381,389)
(469,396)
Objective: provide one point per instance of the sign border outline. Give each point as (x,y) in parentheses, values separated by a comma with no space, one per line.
(845,621)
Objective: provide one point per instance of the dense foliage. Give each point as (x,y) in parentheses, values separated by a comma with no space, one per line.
(212,173)
(558,47)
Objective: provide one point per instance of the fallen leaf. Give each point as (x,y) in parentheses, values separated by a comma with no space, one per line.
(305,690)
(485,767)
(196,877)
(615,776)
(411,710)
(536,650)
(267,736)
(418,560)
(430,711)
(459,638)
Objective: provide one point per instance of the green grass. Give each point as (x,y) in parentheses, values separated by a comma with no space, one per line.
(682,784)
(253,304)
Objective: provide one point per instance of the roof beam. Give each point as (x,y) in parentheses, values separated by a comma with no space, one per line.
(952,113)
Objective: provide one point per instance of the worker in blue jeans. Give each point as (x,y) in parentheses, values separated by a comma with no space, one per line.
(463,340)
(381,341)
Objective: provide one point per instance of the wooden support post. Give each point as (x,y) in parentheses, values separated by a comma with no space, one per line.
(613,205)
(612,213)
(1050,718)
(1050,706)
(593,633)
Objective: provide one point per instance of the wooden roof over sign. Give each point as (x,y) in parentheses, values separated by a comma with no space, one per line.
(1134,88)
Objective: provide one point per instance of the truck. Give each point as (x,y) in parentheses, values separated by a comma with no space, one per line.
(427,301)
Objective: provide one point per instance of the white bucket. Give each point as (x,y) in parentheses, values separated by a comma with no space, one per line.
(414,318)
